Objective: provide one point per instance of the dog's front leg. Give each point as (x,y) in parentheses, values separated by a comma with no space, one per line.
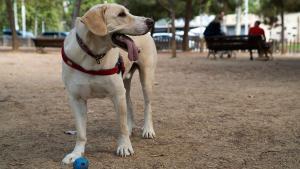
(130,115)
(147,77)
(79,109)
(124,145)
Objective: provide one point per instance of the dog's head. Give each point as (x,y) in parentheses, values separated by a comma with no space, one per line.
(115,21)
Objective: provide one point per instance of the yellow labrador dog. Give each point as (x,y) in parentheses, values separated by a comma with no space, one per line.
(92,68)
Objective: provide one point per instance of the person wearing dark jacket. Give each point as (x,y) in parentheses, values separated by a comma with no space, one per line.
(214,27)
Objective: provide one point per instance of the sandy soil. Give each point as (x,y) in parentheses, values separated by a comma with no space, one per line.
(225,113)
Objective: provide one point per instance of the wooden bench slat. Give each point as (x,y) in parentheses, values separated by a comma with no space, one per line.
(48,42)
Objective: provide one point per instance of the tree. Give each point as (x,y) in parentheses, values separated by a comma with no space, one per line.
(192,8)
(11,19)
(4,17)
(170,7)
(158,9)
(76,11)
(48,11)
(187,18)
(270,9)
(56,14)
(147,8)
(78,8)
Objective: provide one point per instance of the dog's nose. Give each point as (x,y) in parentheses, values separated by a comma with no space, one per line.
(149,22)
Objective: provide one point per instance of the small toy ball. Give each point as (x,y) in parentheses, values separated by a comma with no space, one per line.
(81,163)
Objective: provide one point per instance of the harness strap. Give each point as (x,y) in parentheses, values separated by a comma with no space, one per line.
(104,72)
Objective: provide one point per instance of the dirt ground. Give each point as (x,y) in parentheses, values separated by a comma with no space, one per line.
(224,113)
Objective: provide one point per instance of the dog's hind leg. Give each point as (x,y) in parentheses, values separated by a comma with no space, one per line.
(124,145)
(130,114)
(147,78)
(79,108)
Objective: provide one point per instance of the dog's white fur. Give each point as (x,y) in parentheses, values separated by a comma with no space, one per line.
(95,28)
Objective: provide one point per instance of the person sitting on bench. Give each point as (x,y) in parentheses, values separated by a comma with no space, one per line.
(214,27)
(258,31)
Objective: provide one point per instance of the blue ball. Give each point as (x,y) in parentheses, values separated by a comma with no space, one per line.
(81,163)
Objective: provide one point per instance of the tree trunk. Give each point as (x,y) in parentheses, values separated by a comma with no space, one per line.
(171,11)
(282,30)
(23,12)
(238,11)
(76,11)
(246,16)
(173,40)
(187,18)
(35,25)
(15,8)
(15,44)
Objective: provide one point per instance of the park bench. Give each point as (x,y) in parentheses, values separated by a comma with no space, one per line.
(41,43)
(230,43)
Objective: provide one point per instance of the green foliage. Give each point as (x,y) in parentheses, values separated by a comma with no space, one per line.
(229,6)
(56,17)
(52,12)
(254,6)
(85,6)
(49,11)
(4,17)
(217,6)
(270,9)
(147,8)
(154,9)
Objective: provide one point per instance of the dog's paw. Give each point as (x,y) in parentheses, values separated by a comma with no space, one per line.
(124,147)
(70,158)
(148,132)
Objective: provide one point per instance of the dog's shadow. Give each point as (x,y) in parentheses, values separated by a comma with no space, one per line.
(102,135)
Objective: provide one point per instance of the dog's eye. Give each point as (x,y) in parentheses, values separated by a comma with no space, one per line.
(122,14)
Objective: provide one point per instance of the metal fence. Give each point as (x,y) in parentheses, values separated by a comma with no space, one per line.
(194,43)
(293,47)
(289,47)
(198,44)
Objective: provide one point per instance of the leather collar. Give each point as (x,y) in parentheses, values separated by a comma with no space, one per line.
(85,48)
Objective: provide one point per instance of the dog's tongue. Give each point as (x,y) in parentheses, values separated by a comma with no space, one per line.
(131,47)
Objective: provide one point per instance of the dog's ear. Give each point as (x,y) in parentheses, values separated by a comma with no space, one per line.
(95,21)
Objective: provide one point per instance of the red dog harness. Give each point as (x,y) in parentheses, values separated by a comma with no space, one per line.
(117,69)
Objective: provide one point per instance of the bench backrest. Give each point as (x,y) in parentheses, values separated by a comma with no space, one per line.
(48,42)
